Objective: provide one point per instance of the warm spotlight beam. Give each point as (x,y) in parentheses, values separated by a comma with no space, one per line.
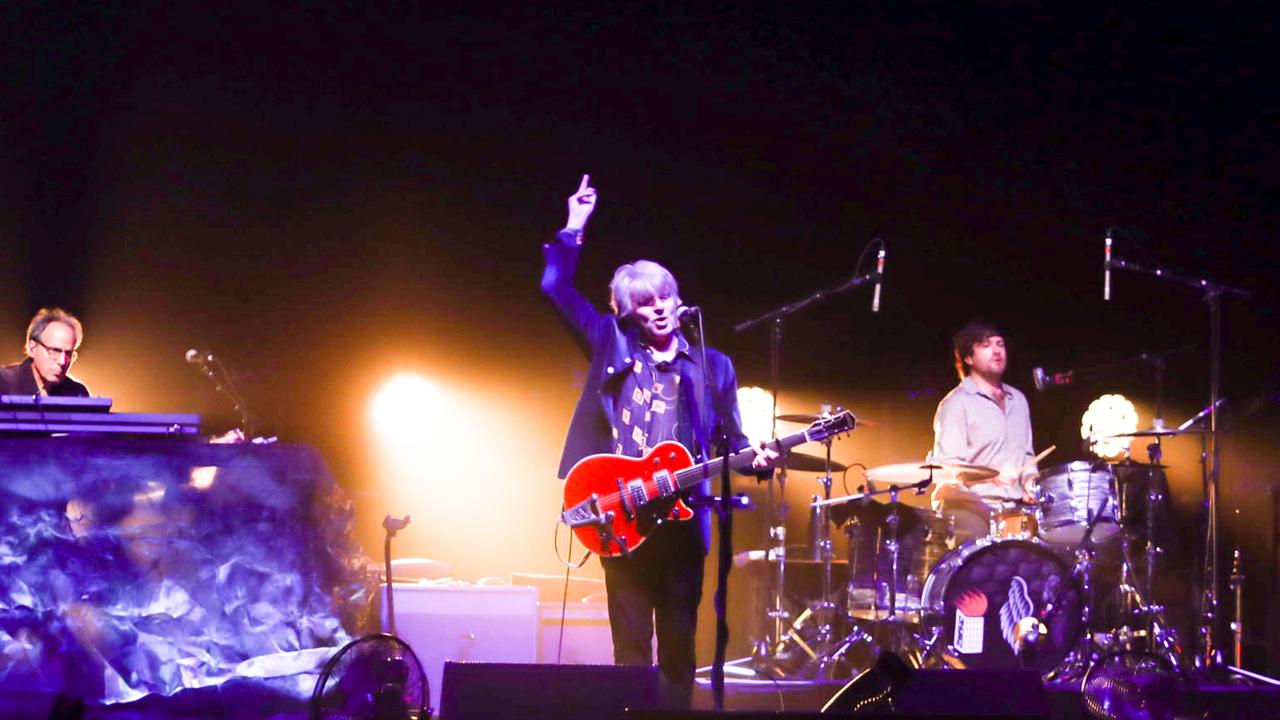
(405,410)
(756,407)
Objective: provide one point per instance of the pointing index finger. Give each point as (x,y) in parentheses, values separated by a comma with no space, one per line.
(586,180)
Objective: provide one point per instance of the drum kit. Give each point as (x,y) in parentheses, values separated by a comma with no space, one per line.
(1024,595)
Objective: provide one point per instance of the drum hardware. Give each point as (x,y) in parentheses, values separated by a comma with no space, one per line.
(889,522)
(1081,659)
(825,607)
(1237,623)
(1151,632)
(1208,656)
(774,649)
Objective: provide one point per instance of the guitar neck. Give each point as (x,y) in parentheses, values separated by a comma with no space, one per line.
(738,461)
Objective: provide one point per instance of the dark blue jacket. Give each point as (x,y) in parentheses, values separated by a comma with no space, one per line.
(611,347)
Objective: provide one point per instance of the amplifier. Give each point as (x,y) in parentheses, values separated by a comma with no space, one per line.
(586,639)
(467,623)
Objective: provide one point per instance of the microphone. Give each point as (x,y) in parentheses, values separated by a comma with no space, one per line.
(198,357)
(1106,269)
(875,297)
(1045,380)
(685,314)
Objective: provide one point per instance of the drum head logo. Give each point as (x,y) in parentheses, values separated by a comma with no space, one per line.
(970,623)
(1018,622)
(1015,608)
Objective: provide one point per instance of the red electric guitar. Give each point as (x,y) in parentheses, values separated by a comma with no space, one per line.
(612,502)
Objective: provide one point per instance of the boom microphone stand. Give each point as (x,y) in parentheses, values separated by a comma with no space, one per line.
(1210,657)
(777,506)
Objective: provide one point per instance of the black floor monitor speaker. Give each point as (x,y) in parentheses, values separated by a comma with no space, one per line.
(492,691)
(1006,694)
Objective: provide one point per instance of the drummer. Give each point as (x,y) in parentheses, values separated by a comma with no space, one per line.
(983,421)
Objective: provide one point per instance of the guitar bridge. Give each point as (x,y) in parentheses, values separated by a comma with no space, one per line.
(586,512)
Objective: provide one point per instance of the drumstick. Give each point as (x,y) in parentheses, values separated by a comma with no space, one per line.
(1036,459)
(1026,495)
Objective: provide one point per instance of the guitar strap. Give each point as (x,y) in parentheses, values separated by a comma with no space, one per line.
(702,420)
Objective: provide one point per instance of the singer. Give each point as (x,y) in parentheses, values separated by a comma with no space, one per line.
(53,342)
(645,386)
(983,421)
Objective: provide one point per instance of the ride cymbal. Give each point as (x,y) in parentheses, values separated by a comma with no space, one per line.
(803,462)
(911,473)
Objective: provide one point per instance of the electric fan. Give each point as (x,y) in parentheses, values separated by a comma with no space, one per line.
(377,677)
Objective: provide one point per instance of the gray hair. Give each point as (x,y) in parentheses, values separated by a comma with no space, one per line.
(638,282)
(36,328)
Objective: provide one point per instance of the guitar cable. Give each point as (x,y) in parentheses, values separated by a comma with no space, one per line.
(569,567)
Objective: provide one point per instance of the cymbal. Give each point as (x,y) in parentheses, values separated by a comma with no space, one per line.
(910,473)
(803,462)
(1160,432)
(809,419)
(1137,467)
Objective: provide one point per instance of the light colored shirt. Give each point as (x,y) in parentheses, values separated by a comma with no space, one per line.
(970,427)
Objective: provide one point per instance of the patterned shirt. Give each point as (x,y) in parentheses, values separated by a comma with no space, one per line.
(649,404)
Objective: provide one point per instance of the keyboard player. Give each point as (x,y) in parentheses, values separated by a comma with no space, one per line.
(53,340)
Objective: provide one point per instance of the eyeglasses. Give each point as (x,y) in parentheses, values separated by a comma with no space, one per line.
(57,353)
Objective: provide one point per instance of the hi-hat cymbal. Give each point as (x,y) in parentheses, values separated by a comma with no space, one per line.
(910,473)
(1161,432)
(803,462)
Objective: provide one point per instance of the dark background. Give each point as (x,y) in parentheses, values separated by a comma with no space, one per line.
(325,194)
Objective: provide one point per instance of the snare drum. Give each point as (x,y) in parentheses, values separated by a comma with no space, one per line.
(1069,495)
(1015,524)
(984,594)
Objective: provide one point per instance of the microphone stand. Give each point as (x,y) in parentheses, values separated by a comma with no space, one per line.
(1209,658)
(227,387)
(392,525)
(778,508)
(724,505)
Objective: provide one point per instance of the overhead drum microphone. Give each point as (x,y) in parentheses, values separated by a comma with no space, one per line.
(1106,268)
(875,296)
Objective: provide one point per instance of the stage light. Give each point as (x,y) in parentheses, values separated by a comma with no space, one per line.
(755,405)
(202,476)
(404,410)
(1106,417)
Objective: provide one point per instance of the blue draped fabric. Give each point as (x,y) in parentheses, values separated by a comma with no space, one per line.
(131,567)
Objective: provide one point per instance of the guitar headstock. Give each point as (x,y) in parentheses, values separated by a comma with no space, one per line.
(823,428)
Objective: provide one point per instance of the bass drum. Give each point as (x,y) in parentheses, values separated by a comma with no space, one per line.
(984,596)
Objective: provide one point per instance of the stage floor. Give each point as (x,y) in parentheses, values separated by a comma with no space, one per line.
(1229,701)
(743,699)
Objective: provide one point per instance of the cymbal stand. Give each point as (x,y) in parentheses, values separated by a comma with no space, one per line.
(822,516)
(1138,602)
(1209,656)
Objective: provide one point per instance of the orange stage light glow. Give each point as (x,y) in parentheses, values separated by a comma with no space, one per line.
(404,411)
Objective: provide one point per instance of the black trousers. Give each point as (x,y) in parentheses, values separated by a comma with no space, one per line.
(659,587)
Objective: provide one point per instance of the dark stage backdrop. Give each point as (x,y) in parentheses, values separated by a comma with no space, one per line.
(329,194)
